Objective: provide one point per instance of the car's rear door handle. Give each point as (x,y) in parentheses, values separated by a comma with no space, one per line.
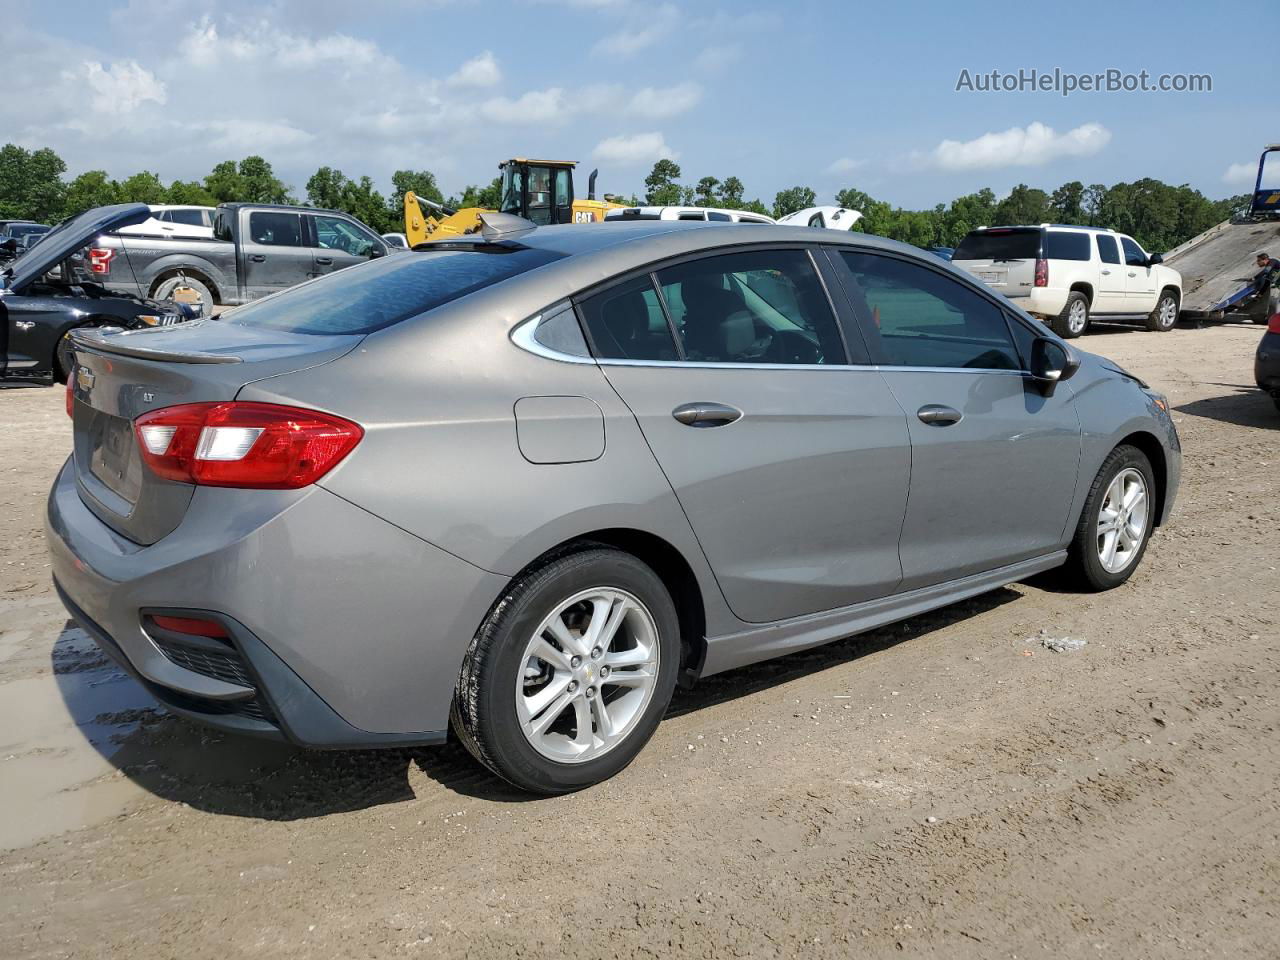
(937,415)
(257,258)
(1105,273)
(324,260)
(706,414)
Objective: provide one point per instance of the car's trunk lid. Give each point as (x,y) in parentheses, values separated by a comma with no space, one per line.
(118,376)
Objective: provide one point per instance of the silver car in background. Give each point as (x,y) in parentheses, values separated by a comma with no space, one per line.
(524,483)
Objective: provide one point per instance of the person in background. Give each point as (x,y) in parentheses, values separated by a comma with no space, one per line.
(1268,271)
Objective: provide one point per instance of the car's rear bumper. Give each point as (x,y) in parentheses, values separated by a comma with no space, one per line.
(344,631)
(1042,301)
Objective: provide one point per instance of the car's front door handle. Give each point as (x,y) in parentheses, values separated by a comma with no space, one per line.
(706,414)
(937,415)
(325,260)
(1105,273)
(257,258)
(1133,274)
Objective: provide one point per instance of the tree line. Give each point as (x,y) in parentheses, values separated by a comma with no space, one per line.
(1160,216)
(1156,214)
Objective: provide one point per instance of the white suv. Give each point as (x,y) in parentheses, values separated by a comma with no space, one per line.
(174,220)
(686,213)
(1067,275)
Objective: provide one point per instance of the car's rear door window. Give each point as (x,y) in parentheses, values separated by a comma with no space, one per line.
(1108,249)
(377,294)
(626,322)
(922,318)
(275,229)
(759,306)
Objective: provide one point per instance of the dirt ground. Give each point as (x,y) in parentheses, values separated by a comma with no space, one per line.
(945,788)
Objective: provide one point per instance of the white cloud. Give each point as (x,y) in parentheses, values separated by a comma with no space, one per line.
(658,102)
(845,164)
(1241,175)
(535,107)
(715,58)
(479,71)
(122,87)
(253,136)
(1030,146)
(641,31)
(634,150)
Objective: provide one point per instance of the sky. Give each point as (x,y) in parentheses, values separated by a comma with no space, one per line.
(822,94)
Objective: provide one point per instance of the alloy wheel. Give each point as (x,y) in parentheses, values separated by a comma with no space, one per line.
(1122,520)
(587,674)
(1078,316)
(1168,312)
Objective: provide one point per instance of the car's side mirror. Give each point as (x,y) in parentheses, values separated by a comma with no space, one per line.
(1051,363)
(1154,259)
(376,251)
(9,243)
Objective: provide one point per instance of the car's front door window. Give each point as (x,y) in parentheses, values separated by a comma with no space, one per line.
(923,318)
(1133,255)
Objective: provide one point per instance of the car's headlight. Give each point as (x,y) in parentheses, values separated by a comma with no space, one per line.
(159,319)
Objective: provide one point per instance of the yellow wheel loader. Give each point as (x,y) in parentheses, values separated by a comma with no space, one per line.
(538,190)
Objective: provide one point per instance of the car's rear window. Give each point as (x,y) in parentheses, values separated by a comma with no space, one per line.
(1066,245)
(374,295)
(1013,244)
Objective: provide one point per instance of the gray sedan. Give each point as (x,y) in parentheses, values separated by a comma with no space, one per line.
(525,483)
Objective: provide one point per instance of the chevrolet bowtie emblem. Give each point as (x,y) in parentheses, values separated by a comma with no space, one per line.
(84,378)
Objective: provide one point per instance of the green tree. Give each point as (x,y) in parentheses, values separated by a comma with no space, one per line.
(661,189)
(731,193)
(189,192)
(1023,205)
(1067,203)
(707,192)
(31,186)
(793,199)
(486,198)
(93,188)
(250,181)
(143,187)
(421,182)
(324,188)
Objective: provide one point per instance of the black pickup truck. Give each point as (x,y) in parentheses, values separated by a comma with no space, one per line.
(257,249)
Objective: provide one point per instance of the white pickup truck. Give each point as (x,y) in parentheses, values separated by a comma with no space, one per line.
(1068,275)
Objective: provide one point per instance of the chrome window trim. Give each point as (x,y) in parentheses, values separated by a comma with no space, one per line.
(522,335)
(882,368)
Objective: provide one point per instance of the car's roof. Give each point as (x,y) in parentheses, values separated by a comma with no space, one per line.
(1045,226)
(592,251)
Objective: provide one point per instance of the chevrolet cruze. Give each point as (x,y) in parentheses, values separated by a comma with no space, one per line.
(524,483)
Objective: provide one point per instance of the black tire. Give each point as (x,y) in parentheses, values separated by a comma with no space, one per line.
(484,709)
(1276,401)
(63,358)
(1062,324)
(164,289)
(1155,321)
(1084,566)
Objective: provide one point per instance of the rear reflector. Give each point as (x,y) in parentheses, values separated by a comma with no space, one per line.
(191,626)
(1273,325)
(262,446)
(1042,273)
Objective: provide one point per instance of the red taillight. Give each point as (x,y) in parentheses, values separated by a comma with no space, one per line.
(100,259)
(1273,325)
(191,626)
(1042,273)
(260,445)
(71,397)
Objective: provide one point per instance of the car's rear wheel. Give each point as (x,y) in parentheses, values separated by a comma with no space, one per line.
(204,302)
(63,358)
(1165,316)
(570,673)
(1074,318)
(1115,525)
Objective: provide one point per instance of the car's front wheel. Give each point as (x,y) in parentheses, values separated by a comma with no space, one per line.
(570,673)
(1116,522)
(1165,316)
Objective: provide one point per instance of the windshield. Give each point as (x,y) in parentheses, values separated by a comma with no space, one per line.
(22,229)
(383,292)
(1000,244)
(512,187)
